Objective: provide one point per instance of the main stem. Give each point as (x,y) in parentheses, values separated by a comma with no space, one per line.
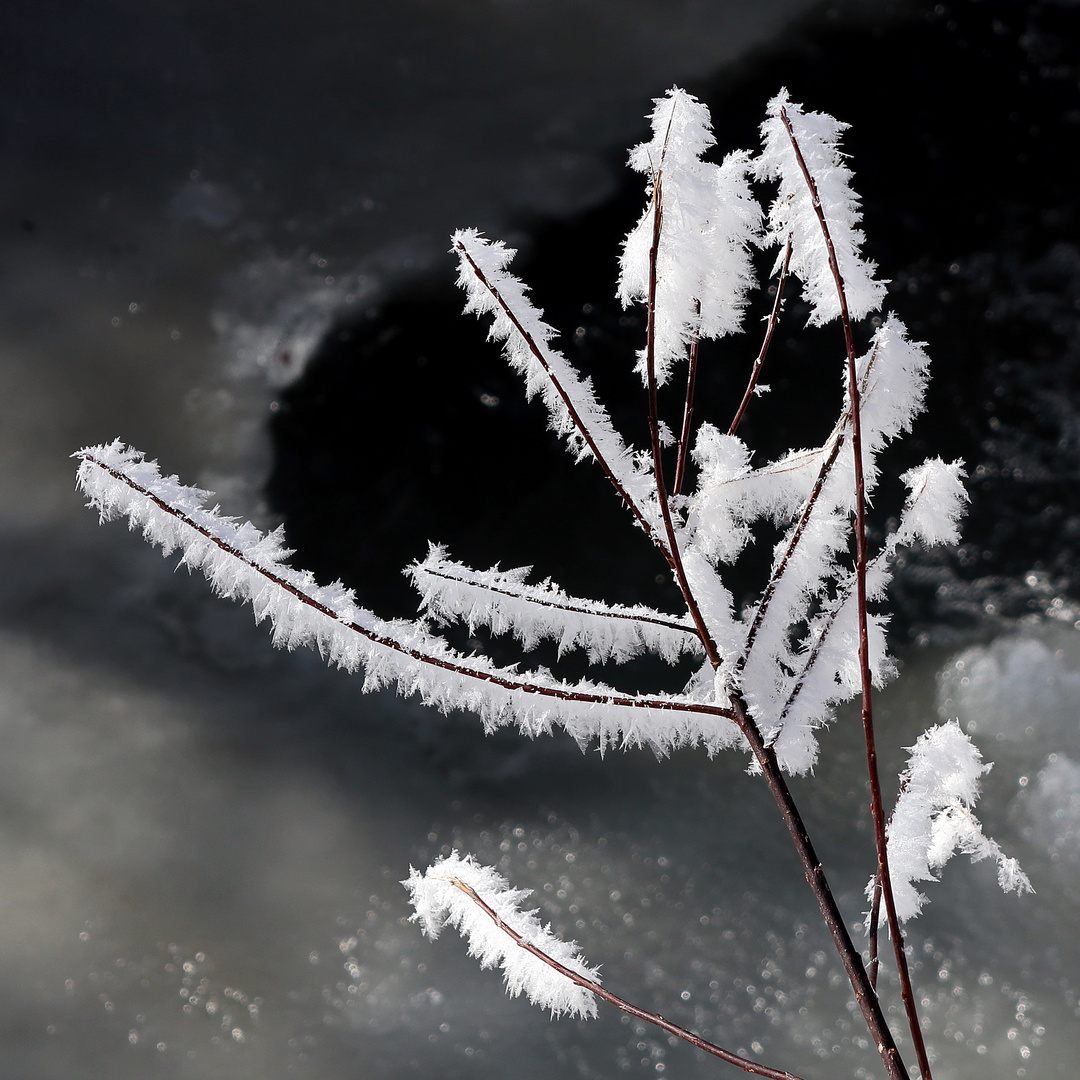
(865,996)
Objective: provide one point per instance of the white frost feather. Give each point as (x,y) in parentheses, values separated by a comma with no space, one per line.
(934,819)
(708,220)
(517,322)
(793,213)
(439,903)
(502,601)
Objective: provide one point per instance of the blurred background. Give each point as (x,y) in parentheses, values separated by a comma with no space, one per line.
(224,237)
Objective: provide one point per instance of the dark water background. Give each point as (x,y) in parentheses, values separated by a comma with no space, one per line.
(223,241)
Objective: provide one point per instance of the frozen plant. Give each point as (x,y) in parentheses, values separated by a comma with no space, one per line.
(771,676)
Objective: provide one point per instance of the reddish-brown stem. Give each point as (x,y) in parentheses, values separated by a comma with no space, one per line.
(604,994)
(876,805)
(688,415)
(766,757)
(663,704)
(865,996)
(770,328)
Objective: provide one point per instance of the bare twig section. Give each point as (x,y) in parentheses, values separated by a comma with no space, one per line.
(877,806)
(770,328)
(753,1067)
(688,416)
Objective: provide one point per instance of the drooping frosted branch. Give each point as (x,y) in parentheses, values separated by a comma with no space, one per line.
(242,563)
(934,818)
(793,213)
(441,897)
(710,218)
(502,601)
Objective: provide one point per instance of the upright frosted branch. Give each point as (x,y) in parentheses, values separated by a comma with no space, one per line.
(710,219)
(794,212)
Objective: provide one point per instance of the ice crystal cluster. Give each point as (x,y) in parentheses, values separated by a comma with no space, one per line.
(770,676)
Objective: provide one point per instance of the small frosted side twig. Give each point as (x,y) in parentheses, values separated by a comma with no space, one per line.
(547,969)
(934,818)
(688,417)
(574,408)
(505,603)
(770,329)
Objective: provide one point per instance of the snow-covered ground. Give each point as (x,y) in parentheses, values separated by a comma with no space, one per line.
(201,839)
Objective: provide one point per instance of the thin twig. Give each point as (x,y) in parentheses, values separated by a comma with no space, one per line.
(606,612)
(877,808)
(604,994)
(770,328)
(875,912)
(688,413)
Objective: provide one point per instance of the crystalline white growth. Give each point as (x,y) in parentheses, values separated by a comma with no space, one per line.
(439,902)
(708,219)
(491,290)
(502,601)
(934,819)
(937,501)
(793,213)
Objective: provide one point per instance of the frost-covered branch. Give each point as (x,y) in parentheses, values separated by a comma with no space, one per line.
(701,270)
(934,818)
(502,601)
(801,150)
(548,970)
(480,904)
(242,563)
(575,412)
